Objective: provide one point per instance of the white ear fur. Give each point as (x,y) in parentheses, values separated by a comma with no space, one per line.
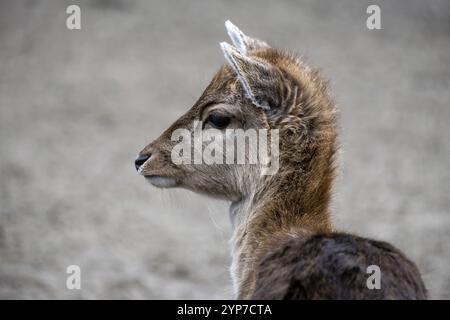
(237,37)
(242,42)
(235,60)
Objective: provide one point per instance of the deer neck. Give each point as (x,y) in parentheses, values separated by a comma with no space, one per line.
(293,203)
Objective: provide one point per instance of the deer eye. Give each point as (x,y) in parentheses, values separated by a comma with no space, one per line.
(218,121)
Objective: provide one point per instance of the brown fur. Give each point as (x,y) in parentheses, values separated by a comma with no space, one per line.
(333,266)
(282,222)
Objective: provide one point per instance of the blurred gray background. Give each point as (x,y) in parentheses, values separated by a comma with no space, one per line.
(77,106)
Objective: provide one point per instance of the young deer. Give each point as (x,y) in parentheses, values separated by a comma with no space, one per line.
(284,245)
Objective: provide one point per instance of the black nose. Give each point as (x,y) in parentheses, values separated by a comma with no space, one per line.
(140,160)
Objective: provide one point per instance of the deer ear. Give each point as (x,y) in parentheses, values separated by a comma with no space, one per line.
(254,75)
(261,82)
(242,42)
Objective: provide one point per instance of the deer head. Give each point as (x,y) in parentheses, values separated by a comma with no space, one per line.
(259,88)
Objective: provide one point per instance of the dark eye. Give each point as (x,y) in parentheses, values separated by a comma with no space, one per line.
(218,121)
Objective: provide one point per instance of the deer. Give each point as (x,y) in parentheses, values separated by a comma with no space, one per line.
(284,244)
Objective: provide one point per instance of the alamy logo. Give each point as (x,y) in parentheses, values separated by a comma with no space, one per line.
(374,20)
(73,21)
(374,280)
(231,146)
(73,281)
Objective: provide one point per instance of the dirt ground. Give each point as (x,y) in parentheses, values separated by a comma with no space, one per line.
(77,106)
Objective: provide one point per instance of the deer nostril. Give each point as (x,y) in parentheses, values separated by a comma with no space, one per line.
(140,160)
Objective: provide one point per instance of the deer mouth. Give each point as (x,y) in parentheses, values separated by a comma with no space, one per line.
(161,181)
